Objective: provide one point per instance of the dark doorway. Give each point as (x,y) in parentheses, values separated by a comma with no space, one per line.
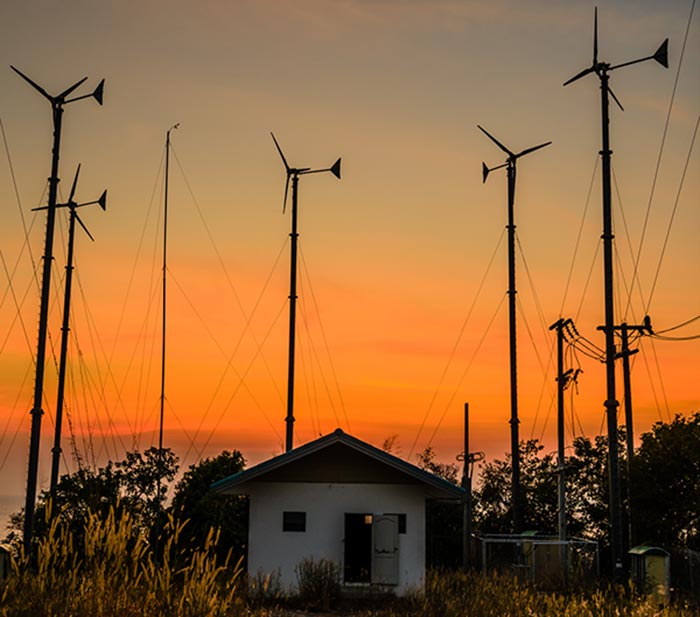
(358,548)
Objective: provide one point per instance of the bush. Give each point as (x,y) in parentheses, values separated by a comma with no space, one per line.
(318,583)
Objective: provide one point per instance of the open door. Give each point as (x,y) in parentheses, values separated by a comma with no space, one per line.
(385,549)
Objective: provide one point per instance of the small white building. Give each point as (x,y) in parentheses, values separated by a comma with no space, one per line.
(341,499)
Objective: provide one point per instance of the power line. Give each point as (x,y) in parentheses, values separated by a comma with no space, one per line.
(456,344)
(673,214)
(635,273)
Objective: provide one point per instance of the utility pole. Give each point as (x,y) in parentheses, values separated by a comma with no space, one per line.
(602,70)
(468,459)
(625,353)
(65,329)
(562,378)
(514,420)
(293,174)
(57,104)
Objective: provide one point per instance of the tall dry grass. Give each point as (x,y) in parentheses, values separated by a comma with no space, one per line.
(458,594)
(113,574)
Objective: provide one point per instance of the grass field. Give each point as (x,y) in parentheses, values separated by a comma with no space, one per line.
(110,572)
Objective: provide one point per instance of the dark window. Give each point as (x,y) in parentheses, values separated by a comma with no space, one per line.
(293,521)
(402,521)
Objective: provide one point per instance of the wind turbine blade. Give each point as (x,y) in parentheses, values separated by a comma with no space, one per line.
(67,91)
(286,190)
(528,150)
(284,160)
(32,83)
(494,140)
(583,73)
(75,184)
(335,169)
(612,94)
(661,54)
(77,218)
(595,37)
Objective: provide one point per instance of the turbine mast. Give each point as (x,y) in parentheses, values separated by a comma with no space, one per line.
(510,164)
(602,70)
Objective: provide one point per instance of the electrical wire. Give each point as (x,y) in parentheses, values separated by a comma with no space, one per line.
(578,236)
(456,344)
(464,374)
(635,273)
(673,215)
(325,339)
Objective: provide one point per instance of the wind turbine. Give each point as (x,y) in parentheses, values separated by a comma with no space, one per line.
(510,164)
(57,103)
(293,173)
(73,217)
(602,70)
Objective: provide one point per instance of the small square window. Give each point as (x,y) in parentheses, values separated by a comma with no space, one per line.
(293,521)
(402,521)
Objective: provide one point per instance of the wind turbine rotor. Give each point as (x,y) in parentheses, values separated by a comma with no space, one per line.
(595,37)
(286,191)
(74,185)
(494,140)
(528,150)
(85,229)
(284,160)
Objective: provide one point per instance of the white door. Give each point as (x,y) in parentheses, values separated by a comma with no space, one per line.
(385,549)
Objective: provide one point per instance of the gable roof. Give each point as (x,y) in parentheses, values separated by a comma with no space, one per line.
(361,459)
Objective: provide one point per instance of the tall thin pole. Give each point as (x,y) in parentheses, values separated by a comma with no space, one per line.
(514,420)
(625,353)
(163,336)
(611,403)
(37,411)
(562,376)
(65,329)
(467,498)
(292,315)
(601,70)
(561,384)
(57,103)
(164,303)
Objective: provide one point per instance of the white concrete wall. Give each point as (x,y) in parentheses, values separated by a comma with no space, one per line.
(271,549)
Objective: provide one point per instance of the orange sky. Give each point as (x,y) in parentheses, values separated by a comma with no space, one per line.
(395,251)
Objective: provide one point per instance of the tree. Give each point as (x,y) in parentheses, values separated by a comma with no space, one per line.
(666,484)
(129,484)
(194,501)
(446,471)
(493,511)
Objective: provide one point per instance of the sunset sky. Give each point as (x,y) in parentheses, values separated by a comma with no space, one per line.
(394,253)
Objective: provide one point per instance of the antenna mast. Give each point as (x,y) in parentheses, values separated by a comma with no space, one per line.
(65,329)
(602,70)
(514,420)
(57,104)
(293,173)
(163,333)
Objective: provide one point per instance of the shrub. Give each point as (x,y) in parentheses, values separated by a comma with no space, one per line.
(318,583)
